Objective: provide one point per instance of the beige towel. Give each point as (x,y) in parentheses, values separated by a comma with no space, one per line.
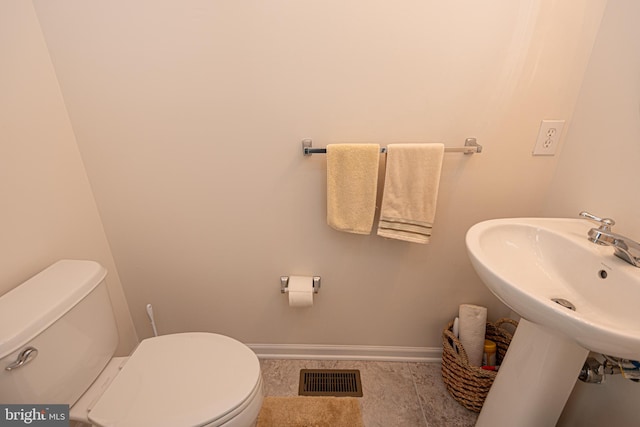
(410,191)
(352,178)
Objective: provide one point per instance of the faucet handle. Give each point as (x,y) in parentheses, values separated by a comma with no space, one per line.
(605,223)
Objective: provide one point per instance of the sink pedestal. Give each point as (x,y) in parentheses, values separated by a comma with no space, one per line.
(535,379)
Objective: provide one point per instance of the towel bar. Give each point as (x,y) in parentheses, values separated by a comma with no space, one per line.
(470,147)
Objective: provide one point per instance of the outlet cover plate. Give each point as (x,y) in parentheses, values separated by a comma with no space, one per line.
(548,137)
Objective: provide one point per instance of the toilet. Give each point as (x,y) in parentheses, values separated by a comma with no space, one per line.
(57,341)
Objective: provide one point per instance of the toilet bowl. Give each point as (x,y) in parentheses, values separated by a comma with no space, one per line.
(185,379)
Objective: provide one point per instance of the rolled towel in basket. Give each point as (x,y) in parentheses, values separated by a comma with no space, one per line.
(473,324)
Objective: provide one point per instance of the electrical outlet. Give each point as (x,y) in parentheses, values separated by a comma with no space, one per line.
(548,137)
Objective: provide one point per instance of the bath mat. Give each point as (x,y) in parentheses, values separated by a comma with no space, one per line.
(306,411)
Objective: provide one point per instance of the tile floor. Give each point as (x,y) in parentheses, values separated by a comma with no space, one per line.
(399,394)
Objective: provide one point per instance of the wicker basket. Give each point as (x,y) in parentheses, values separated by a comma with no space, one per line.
(469,385)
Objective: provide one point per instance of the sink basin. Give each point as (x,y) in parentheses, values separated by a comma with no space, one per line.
(528,262)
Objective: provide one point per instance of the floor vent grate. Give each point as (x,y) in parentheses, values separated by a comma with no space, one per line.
(330,382)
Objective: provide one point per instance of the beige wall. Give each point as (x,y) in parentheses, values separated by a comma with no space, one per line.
(189,116)
(48,212)
(598,171)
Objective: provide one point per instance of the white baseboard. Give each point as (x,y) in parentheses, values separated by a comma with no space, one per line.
(347,352)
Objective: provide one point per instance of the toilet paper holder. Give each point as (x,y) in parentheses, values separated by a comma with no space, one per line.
(284,284)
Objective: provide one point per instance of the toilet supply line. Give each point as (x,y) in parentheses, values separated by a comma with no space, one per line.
(151,319)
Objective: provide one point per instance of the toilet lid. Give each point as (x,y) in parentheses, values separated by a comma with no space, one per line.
(187,379)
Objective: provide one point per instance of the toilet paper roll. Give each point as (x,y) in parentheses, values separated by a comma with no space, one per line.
(300,290)
(473,324)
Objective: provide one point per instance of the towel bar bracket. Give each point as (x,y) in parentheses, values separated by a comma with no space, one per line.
(471,146)
(472,142)
(307,143)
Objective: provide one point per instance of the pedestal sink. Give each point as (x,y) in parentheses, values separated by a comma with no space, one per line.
(573,296)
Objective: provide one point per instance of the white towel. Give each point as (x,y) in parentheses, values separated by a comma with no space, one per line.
(352,184)
(410,193)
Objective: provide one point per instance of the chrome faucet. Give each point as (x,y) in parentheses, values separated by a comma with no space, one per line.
(624,247)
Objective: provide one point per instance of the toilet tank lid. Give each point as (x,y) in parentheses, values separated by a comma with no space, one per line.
(36,304)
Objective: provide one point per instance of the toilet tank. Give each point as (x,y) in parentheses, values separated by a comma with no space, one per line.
(64,312)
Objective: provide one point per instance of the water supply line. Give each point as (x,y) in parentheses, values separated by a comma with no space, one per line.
(595,371)
(151,319)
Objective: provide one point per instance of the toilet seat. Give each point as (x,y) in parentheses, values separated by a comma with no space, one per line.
(186,379)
